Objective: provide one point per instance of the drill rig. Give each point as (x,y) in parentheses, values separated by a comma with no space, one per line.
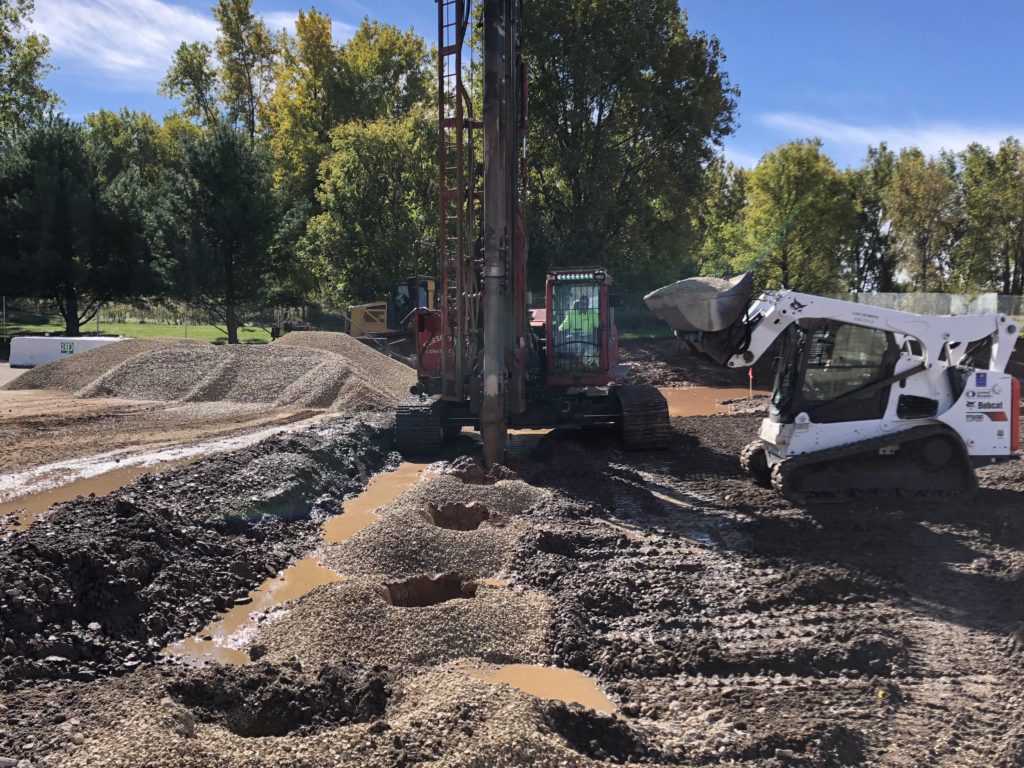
(867,402)
(484,359)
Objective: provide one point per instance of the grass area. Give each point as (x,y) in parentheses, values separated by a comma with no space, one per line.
(146,331)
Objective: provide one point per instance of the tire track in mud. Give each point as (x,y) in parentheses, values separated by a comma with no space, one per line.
(735,627)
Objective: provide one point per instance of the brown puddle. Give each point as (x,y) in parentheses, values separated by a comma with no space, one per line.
(302,577)
(359,511)
(234,626)
(565,685)
(703,401)
(27,509)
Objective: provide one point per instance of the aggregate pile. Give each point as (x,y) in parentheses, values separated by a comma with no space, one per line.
(340,375)
(102,584)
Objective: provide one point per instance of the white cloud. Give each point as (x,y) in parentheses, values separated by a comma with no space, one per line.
(131,42)
(930,137)
(130,39)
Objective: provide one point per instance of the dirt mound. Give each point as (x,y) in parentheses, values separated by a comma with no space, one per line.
(75,372)
(101,584)
(264,700)
(289,376)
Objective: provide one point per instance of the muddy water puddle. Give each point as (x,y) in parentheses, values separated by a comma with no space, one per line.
(566,685)
(703,401)
(25,510)
(222,640)
(361,510)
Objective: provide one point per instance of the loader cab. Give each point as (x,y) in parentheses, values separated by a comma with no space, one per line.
(409,295)
(579,331)
(834,372)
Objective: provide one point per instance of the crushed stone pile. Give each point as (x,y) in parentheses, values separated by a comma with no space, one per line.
(352,621)
(406,542)
(341,375)
(76,372)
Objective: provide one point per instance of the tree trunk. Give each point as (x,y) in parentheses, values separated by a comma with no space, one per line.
(70,311)
(230,314)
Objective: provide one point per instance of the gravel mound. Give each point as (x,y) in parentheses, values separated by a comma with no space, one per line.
(352,621)
(405,543)
(78,371)
(349,376)
(101,584)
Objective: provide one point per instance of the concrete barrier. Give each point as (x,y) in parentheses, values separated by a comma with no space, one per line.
(30,351)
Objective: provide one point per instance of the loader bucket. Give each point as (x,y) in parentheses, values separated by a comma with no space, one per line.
(705,304)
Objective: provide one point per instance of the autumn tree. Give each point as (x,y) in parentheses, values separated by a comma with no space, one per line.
(388,72)
(245,52)
(798,214)
(923,207)
(192,78)
(378,197)
(718,219)
(309,100)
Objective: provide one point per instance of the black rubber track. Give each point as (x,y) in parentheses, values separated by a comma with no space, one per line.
(644,417)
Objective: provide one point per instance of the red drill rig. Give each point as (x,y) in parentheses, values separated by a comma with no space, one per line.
(484,359)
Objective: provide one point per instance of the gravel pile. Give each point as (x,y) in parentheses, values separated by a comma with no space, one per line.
(352,621)
(101,584)
(78,371)
(405,543)
(347,377)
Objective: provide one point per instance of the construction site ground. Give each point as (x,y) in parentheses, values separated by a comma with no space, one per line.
(700,620)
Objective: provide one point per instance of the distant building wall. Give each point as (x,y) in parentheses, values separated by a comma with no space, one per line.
(942,303)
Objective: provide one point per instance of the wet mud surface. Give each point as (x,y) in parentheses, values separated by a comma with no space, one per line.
(725,625)
(101,584)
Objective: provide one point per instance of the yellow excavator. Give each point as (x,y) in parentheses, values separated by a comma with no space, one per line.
(386,324)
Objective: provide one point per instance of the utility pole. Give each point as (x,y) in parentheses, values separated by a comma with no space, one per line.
(497,230)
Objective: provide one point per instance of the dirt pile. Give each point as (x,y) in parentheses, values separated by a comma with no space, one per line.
(348,377)
(101,584)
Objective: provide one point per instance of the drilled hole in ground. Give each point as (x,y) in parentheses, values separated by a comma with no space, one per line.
(422,591)
(456,516)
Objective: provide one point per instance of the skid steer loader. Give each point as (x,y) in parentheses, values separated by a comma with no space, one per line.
(867,402)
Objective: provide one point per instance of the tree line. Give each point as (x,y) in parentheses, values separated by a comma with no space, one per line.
(900,221)
(298,171)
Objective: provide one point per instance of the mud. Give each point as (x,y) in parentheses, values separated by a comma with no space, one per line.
(101,584)
(720,624)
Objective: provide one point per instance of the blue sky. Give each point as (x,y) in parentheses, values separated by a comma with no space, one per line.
(934,73)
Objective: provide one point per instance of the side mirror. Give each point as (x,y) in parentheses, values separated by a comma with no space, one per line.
(614,300)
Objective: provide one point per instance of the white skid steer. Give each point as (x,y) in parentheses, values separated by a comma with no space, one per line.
(867,403)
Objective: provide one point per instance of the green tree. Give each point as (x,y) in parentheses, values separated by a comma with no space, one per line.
(870,261)
(127,140)
(225,221)
(245,51)
(23,66)
(70,236)
(991,253)
(924,210)
(627,106)
(378,197)
(388,72)
(799,212)
(718,219)
(192,78)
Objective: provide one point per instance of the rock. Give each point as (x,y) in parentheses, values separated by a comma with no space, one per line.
(77,739)
(8,762)
(95,626)
(783,754)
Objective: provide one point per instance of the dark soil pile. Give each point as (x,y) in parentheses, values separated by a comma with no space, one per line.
(102,584)
(668,363)
(267,700)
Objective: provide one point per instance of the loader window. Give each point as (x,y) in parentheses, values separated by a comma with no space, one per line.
(576,326)
(843,358)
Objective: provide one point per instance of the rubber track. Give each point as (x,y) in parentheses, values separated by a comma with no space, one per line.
(644,417)
(918,479)
(418,426)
